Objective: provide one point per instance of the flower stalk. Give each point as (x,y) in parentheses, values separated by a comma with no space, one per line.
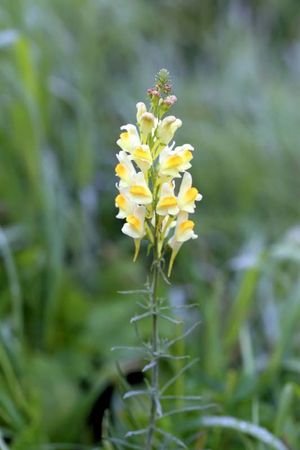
(154,351)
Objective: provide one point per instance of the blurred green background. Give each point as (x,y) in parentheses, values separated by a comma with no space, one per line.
(71,72)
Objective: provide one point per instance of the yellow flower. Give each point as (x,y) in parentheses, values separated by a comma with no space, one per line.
(167,128)
(138,191)
(167,204)
(183,232)
(185,151)
(142,157)
(187,194)
(134,226)
(129,139)
(124,170)
(125,206)
(172,162)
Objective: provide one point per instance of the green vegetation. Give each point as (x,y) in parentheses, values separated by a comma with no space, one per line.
(71,72)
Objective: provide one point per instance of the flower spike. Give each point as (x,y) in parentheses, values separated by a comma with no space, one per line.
(149,199)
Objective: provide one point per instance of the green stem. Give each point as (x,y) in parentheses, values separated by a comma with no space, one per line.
(154,342)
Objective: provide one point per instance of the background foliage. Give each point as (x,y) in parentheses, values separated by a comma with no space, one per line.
(71,72)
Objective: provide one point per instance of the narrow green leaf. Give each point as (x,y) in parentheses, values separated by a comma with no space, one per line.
(284,408)
(255,431)
(241,306)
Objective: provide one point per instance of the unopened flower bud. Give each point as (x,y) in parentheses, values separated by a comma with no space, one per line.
(170,100)
(167,88)
(147,123)
(167,129)
(152,92)
(141,109)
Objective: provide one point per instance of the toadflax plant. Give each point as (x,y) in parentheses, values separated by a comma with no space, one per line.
(155,198)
